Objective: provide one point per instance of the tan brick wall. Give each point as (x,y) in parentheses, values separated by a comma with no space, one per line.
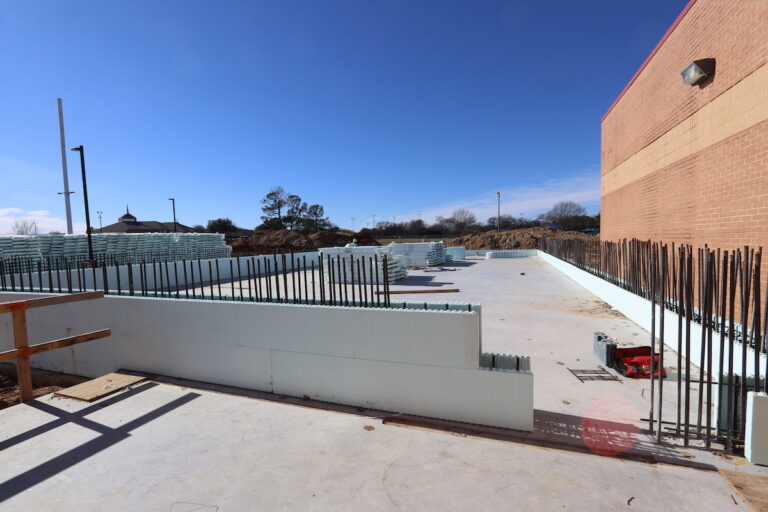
(690,164)
(734,32)
(718,196)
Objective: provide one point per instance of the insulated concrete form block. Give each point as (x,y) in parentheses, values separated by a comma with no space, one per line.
(501,399)
(638,310)
(756,436)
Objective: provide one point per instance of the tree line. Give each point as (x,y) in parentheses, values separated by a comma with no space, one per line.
(565,215)
(281,211)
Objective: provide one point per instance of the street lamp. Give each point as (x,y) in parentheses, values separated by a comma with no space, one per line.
(173,200)
(101,228)
(498,212)
(81,150)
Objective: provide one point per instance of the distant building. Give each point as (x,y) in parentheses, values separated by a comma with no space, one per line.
(127,223)
(685,159)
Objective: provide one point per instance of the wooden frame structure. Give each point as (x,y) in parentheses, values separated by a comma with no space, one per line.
(23,350)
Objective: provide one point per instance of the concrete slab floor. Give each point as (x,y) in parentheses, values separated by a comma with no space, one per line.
(163,447)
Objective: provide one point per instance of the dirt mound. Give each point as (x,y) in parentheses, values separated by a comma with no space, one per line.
(340,239)
(272,242)
(515,239)
(268,241)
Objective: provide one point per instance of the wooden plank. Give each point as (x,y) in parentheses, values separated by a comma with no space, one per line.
(403,292)
(753,489)
(10,307)
(23,368)
(100,387)
(51,345)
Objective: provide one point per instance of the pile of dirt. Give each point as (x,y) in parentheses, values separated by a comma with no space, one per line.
(514,239)
(269,241)
(285,241)
(340,239)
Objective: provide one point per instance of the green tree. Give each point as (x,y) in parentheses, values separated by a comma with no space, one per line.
(296,211)
(221,226)
(274,202)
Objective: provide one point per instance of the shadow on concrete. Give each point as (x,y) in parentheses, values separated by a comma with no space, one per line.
(462,263)
(109,437)
(427,281)
(571,433)
(551,430)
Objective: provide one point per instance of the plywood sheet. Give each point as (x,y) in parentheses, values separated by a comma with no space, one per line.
(100,387)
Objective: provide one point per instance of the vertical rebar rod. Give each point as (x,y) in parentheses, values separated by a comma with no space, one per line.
(653,337)
(731,328)
(688,319)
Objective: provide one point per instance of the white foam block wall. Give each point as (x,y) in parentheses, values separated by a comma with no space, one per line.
(221,268)
(756,435)
(418,362)
(638,310)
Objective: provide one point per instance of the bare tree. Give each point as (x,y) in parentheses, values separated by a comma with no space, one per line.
(564,210)
(24,227)
(459,221)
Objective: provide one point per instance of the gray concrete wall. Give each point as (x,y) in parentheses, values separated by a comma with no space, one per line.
(409,361)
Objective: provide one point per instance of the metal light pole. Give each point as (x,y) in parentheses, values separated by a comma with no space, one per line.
(173,200)
(101,228)
(498,212)
(66,193)
(81,150)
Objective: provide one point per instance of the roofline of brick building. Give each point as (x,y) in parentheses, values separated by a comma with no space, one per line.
(650,56)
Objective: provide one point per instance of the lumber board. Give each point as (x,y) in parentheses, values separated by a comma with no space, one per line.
(25,351)
(100,386)
(752,488)
(403,292)
(10,307)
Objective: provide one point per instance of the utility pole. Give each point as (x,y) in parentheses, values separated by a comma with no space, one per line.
(373,221)
(81,150)
(175,227)
(498,212)
(66,193)
(353,223)
(101,228)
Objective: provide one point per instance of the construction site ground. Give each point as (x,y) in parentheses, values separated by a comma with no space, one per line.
(178,446)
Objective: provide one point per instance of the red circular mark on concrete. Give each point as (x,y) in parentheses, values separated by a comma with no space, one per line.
(605,426)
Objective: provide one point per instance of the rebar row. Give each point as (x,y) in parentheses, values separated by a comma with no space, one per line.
(715,291)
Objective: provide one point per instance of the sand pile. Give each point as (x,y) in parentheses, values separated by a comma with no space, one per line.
(515,239)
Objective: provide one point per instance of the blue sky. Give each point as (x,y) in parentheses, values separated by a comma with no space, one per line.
(392,108)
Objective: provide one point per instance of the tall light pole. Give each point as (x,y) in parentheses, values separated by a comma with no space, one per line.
(173,200)
(353,223)
(81,150)
(373,221)
(66,193)
(498,212)
(101,228)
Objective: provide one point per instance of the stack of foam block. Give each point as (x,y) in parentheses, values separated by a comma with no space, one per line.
(420,254)
(347,272)
(128,247)
(455,253)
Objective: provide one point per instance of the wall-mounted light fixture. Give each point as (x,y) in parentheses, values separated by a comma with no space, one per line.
(698,71)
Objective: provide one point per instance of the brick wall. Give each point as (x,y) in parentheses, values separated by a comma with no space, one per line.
(718,194)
